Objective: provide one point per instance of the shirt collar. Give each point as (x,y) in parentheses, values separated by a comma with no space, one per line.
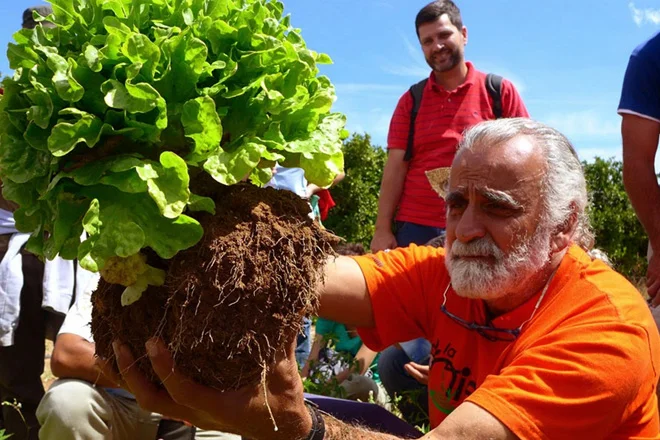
(470,79)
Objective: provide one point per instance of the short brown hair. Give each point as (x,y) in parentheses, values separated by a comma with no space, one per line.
(434,10)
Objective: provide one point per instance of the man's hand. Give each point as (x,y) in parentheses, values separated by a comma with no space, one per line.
(243,412)
(418,372)
(383,239)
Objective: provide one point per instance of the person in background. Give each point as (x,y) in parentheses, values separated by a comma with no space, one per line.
(348,362)
(34,297)
(83,404)
(639,108)
(454,97)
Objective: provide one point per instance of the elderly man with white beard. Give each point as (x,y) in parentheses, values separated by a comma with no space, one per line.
(532,338)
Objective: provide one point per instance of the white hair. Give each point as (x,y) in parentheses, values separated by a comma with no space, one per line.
(564,186)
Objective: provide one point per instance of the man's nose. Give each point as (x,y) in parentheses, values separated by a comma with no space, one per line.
(470,226)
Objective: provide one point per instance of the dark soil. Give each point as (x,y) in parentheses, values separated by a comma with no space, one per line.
(231,301)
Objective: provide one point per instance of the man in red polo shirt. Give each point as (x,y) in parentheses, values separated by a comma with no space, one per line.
(455,97)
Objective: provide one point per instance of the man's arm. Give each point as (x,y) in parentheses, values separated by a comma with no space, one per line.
(245,411)
(640,142)
(467,422)
(394,176)
(73,358)
(344,294)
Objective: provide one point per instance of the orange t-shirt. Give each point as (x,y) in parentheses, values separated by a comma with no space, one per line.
(584,367)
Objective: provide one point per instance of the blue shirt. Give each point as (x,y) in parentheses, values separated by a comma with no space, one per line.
(292,179)
(640,94)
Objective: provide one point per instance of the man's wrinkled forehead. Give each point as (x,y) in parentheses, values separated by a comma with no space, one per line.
(515,181)
(511,169)
(512,200)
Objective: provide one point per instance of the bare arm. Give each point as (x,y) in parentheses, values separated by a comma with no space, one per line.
(467,422)
(244,411)
(391,188)
(313,355)
(640,142)
(313,188)
(73,358)
(365,357)
(344,294)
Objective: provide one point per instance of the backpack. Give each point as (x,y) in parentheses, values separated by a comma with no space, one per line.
(493,85)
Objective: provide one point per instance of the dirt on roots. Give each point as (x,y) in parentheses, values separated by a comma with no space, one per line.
(231,301)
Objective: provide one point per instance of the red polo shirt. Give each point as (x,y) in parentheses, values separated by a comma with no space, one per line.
(442,118)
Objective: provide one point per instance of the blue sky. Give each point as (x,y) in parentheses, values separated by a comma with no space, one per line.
(566,57)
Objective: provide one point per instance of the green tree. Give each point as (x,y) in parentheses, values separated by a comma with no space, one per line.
(618,231)
(354,217)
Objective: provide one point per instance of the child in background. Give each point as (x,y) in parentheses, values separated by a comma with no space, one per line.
(338,354)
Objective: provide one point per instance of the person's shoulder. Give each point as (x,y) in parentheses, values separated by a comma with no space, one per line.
(649,49)
(403,258)
(477,74)
(604,291)
(421,252)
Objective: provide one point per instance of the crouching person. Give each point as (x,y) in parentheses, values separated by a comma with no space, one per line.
(84,404)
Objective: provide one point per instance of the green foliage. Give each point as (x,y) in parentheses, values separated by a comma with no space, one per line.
(618,231)
(354,217)
(112,114)
(4,435)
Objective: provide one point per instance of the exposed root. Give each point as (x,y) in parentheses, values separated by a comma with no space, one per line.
(230,302)
(265,387)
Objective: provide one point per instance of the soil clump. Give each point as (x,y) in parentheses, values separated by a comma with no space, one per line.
(231,301)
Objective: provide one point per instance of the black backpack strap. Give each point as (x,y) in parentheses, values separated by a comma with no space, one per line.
(416,92)
(494,87)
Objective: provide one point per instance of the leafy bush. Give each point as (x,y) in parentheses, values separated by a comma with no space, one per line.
(618,231)
(354,217)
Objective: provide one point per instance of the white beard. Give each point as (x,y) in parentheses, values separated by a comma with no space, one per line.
(509,273)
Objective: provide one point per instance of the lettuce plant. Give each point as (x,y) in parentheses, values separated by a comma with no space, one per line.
(113,114)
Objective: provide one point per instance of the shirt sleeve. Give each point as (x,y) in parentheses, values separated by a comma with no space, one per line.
(575,383)
(640,94)
(401,285)
(512,104)
(79,317)
(397,137)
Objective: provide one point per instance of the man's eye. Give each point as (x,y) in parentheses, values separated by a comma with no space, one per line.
(498,209)
(456,205)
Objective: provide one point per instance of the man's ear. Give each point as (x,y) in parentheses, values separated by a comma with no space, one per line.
(564,233)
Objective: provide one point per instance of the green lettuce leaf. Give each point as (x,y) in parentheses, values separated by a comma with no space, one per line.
(112,115)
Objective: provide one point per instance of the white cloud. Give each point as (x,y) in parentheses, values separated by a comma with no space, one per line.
(646,15)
